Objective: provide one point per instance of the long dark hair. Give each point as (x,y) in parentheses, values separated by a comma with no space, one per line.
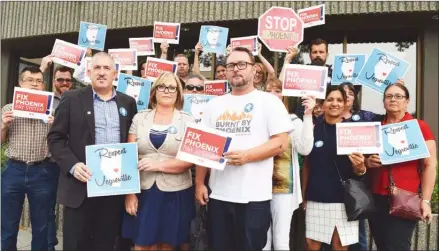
(355,104)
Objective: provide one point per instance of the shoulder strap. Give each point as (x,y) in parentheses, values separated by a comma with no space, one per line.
(338,171)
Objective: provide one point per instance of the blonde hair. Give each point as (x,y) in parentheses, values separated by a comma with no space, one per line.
(167,77)
(264,73)
(276,83)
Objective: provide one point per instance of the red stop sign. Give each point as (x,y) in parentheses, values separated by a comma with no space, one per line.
(279,28)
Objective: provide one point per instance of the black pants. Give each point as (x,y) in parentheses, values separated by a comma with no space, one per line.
(95,225)
(390,232)
(235,226)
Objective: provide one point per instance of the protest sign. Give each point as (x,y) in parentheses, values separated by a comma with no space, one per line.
(382,69)
(138,88)
(250,42)
(213,38)
(216,87)
(346,68)
(279,28)
(204,146)
(403,142)
(92,35)
(67,54)
(194,104)
(143,45)
(114,169)
(312,16)
(155,67)
(360,137)
(166,32)
(28,103)
(305,80)
(127,58)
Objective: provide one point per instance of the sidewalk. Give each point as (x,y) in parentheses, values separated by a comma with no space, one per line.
(25,237)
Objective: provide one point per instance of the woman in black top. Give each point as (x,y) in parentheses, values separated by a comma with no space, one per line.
(326,219)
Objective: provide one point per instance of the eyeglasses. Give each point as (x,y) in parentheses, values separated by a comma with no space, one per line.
(192,87)
(61,80)
(396,96)
(171,89)
(241,65)
(31,81)
(259,73)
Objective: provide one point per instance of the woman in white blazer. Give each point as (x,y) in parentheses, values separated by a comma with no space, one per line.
(287,193)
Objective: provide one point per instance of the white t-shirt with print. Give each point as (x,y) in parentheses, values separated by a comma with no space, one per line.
(250,120)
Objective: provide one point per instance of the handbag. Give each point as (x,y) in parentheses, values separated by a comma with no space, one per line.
(199,239)
(357,198)
(403,203)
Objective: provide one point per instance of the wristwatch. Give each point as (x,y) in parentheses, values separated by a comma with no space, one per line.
(427,201)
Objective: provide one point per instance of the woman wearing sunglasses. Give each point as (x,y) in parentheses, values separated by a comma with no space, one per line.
(194,85)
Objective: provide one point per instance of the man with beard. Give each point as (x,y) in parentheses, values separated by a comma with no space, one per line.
(239,205)
(97,114)
(62,81)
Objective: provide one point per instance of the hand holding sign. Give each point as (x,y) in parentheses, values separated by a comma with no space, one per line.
(228,49)
(309,102)
(291,54)
(82,172)
(373,161)
(357,160)
(237,158)
(7,118)
(198,48)
(164,48)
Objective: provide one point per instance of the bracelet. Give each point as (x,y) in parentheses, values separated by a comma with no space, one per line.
(427,201)
(361,174)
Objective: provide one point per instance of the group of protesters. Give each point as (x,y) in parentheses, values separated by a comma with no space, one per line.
(250,204)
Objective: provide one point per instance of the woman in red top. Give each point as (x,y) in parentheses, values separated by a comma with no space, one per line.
(390,232)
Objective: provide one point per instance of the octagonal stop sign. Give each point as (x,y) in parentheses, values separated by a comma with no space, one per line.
(279,28)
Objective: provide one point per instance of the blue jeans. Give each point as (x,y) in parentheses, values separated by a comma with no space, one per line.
(362,239)
(235,226)
(51,225)
(19,180)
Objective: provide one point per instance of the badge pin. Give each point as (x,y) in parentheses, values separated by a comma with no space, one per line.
(172,130)
(356,117)
(248,107)
(88,112)
(318,143)
(122,111)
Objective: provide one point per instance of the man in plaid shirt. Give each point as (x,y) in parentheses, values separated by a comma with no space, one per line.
(29,170)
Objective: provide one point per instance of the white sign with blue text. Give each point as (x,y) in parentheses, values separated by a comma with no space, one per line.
(114,169)
(346,68)
(214,38)
(138,88)
(403,142)
(92,35)
(381,70)
(194,104)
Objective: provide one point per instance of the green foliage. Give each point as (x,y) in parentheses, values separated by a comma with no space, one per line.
(3,156)
(434,197)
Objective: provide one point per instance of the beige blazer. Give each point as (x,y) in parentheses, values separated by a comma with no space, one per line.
(141,126)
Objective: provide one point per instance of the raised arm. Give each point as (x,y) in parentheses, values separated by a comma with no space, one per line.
(164,50)
(267,65)
(291,53)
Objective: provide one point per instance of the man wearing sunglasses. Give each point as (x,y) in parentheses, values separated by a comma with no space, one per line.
(62,81)
(194,85)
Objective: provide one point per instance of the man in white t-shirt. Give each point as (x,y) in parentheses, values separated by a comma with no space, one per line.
(239,205)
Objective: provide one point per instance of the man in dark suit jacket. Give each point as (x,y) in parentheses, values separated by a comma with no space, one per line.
(97,114)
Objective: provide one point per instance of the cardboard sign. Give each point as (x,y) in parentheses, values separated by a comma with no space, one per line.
(216,87)
(92,35)
(346,68)
(143,45)
(204,146)
(138,88)
(213,38)
(279,28)
(403,142)
(382,69)
(250,42)
(32,104)
(114,169)
(194,104)
(305,80)
(360,137)
(126,57)
(156,66)
(166,32)
(67,54)
(312,16)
